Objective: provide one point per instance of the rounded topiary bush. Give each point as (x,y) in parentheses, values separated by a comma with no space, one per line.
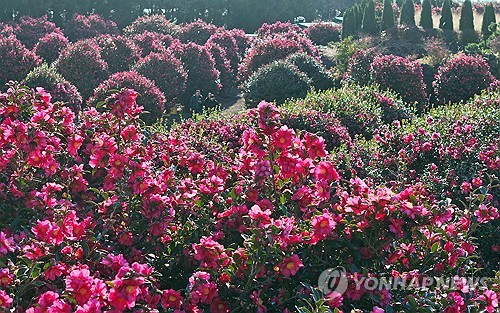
(152,42)
(320,78)
(323,33)
(15,59)
(155,23)
(200,68)
(29,30)
(461,77)
(198,32)
(54,83)
(83,27)
(150,97)
(274,49)
(119,52)
(401,75)
(222,64)
(242,40)
(359,64)
(81,64)
(277,82)
(277,28)
(6,30)
(166,71)
(50,46)
(225,39)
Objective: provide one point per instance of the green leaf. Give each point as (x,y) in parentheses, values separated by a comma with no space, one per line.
(434,247)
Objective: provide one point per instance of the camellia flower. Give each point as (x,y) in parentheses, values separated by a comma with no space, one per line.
(283,137)
(291,266)
(5,277)
(5,299)
(79,283)
(325,171)
(323,224)
(6,243)
(491,300)
(171,299)
(485,214)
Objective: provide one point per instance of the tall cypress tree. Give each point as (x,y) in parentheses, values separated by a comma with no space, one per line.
(387,16)
(466,16)
(369,25)
(347,24)
(408,13)
(488,18)
(426,15)
(446,20)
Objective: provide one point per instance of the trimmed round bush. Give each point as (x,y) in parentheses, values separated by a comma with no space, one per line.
(152,42)
(54,83)
(462,77)
(29,30)
(150,96)
(323,33)
(358,69)
(6,30)
(15,59)
(155,23)
(225,39)
(401,75)
(222,64)
(50,46)
(84,27)
(119,52)
(242,40)
(82,65)
(200,67)
(277,82)
(198,32)
(166,71)
(278,28)
(274,49)
(320,78)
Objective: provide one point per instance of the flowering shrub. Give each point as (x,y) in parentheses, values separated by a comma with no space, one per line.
(321,79)
(82,65)
(242,41)
(6,29)
(323,33)
(15,59)
(223,65)
(359,65)
(152,42)
(278,28)
(225,39)
(29,30)
(108,219)
(272,49)
(461,77)
(84,27)
(361,109)
(401,75)
(198,32)
(277,81)
(166,71)
(50,46)
(120,53)
(155,23)
(61,90)
(150,97)
(200,67)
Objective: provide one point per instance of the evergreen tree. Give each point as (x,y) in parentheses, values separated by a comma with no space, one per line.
(348,23)
(387,16)
(399,3)
(488,18)
(426,15)
(408,13)
(466,17)
(446,20)
(369,25)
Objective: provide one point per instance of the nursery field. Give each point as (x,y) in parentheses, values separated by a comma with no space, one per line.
(178,167)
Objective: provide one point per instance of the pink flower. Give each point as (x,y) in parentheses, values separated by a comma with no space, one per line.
(6,243)
(377,309)
(211,253)
(466,187)
(5,277)
(283,137)
(5,299)
(291,265)
(477,182)
(325,171)
(323,224)
(79,283)
(491,299)
(334,299)
(485,214)
(171,299)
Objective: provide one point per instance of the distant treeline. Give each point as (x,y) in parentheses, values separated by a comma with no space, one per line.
(246,14)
